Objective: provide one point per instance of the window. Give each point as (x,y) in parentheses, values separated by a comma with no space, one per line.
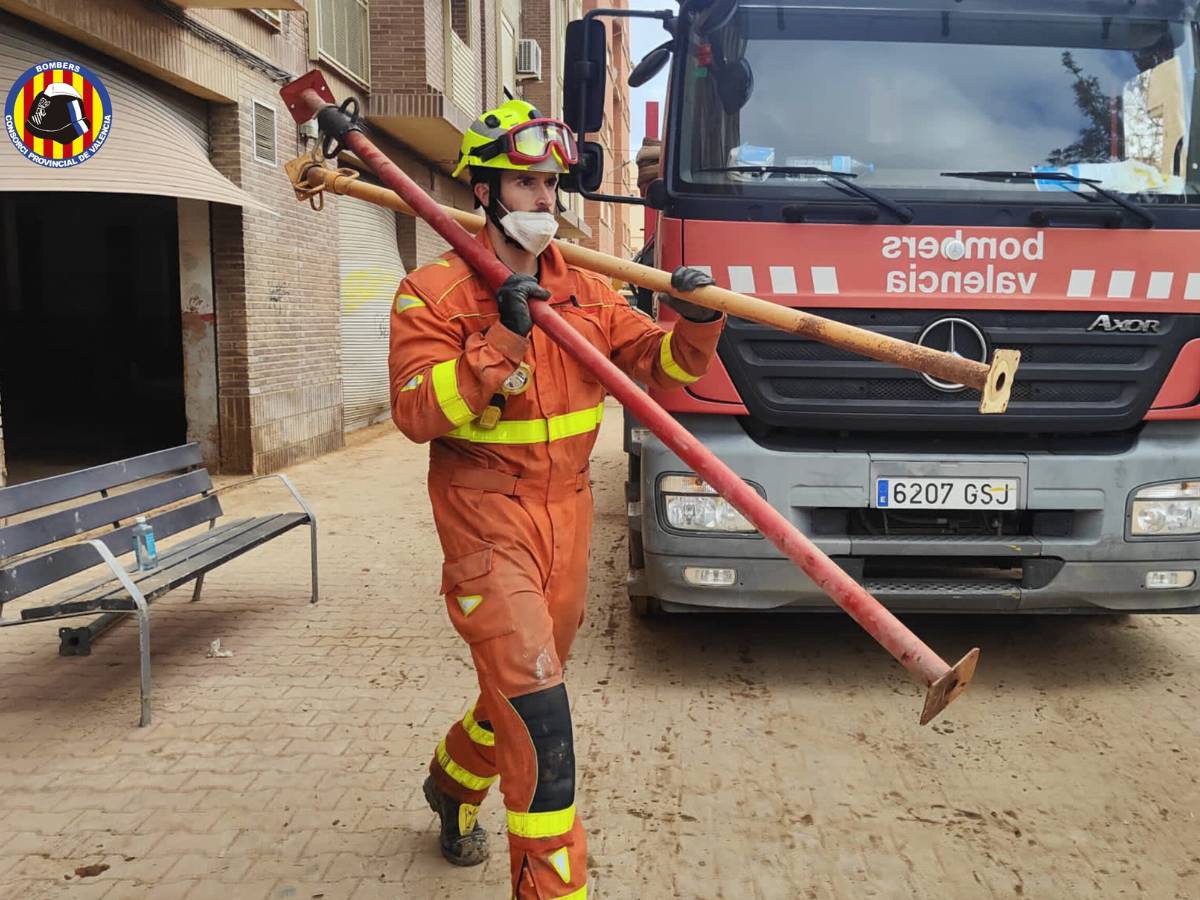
(463,75)
(460,20)
(341,36)
(264,133)
(574,203)
(508,55)
(903,98)
(274,16)
(562,16)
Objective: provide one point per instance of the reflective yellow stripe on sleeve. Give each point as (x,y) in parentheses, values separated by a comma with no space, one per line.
(533,431)
(541,824)
(445,388)
(477,732)
(580,894)
(469,780)
(667,360)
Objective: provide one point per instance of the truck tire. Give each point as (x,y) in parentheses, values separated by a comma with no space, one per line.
(633,494)
(644,607)
(637,555)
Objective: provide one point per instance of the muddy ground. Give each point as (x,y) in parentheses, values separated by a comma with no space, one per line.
(771,757)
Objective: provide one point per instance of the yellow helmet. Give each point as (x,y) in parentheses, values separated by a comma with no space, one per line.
(514,136)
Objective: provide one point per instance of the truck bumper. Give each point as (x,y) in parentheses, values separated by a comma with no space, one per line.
(1091,568)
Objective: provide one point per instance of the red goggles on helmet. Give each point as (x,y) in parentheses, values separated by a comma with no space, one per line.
(534,142)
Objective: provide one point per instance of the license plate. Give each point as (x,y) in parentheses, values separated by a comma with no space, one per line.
(945,493)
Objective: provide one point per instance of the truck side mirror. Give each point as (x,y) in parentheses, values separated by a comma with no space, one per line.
(584,76)
(656,194)
(585,71)
(588,172)
(651,64)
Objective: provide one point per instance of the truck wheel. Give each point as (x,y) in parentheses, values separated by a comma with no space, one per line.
(633,493)
(645,607)
(642,607)
(637,553)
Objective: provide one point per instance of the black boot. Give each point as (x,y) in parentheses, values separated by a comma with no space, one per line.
(460,849)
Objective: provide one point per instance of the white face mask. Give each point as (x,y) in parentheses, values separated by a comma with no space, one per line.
(532,230)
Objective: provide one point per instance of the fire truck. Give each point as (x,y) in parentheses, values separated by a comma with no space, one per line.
(966,175)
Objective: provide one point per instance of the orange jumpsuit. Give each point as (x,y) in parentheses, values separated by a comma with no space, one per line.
(513,510)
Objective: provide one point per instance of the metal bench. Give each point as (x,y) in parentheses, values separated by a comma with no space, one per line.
(177,494)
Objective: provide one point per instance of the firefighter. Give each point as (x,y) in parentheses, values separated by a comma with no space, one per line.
(512,419)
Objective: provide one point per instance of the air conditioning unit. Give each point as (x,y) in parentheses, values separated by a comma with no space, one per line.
(529,58)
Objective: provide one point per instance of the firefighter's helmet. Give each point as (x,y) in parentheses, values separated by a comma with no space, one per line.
(56,114)
(514,136)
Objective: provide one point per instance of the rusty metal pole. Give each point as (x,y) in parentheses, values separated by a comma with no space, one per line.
(310,96)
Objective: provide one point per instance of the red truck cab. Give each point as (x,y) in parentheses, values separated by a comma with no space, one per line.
(967,176)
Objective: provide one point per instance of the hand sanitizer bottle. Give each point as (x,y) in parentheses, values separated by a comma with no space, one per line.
(143,545)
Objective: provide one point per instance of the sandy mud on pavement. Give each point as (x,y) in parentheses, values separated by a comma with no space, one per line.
(772,757)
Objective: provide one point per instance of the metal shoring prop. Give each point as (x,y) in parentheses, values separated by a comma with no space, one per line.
(310,95)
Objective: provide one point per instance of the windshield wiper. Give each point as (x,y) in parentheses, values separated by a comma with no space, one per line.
(1062,177)
(903,213)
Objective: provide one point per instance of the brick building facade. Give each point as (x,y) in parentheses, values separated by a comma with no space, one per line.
(609,223)
(263,299)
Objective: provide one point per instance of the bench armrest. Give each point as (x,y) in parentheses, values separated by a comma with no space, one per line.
(143,616)
(312,519)
(121,573)
(287,483)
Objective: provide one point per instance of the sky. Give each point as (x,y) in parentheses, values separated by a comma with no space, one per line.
(644,36)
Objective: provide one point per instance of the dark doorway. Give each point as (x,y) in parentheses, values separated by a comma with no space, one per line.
(91,361)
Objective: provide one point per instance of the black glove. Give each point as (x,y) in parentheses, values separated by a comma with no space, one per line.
(686,279)
(513,300)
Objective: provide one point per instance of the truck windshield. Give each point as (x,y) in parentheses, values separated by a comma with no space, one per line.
(898,98)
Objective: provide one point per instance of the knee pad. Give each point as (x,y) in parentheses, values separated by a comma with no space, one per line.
(547,717)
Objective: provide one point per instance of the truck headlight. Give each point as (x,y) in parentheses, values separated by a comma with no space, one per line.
(691,505)
(1166,510)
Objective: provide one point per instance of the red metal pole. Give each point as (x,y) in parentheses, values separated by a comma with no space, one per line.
(945,682)
(650,216)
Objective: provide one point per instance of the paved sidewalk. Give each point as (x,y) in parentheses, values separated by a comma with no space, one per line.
(292,769)
(720,757)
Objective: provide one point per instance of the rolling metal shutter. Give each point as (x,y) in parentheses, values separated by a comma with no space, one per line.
(371,271)
(159,139)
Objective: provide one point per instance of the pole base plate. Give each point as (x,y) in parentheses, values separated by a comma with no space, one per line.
(291,92)
(999,381)
(943,691)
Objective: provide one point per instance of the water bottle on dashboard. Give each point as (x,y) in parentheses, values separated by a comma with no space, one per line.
(844,165)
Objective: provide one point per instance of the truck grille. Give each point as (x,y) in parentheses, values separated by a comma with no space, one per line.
(958,525)
(1070,379)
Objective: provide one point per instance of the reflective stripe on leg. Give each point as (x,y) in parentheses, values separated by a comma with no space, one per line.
(580,894)
(480,735)
(538,825)
(469,780)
